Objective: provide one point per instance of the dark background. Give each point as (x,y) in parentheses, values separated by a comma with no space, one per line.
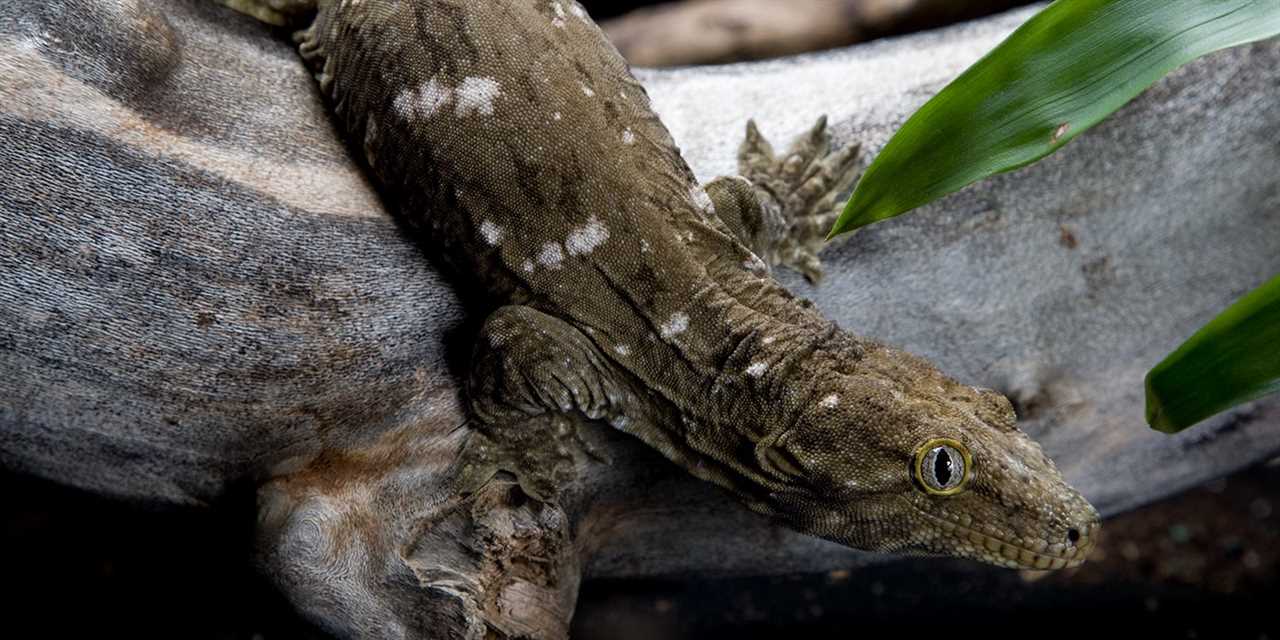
(601,9)
(1200,565)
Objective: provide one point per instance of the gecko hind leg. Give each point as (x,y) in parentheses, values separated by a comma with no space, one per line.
(797,193)
(535,383)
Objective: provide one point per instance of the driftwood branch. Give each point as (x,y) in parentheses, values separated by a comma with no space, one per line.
(199,289)
(718,31)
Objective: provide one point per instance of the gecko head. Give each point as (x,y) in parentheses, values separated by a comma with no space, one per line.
(897,457)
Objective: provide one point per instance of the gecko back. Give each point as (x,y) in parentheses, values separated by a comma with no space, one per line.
(519,153)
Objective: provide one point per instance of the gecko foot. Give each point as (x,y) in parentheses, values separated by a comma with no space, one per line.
(804,184)
(541,465)
(535,384)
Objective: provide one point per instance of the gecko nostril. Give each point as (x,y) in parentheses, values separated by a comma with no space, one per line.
(1073,535)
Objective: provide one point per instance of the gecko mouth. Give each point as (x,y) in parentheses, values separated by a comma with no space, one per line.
(993,550)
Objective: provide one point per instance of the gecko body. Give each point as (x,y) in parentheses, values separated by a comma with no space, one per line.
(627,295)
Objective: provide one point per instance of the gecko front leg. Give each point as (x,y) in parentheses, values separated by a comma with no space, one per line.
(535,380)
(781,207)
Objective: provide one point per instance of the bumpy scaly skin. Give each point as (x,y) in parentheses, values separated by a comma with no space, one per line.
(513,133)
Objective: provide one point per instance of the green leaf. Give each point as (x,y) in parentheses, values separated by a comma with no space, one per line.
(1063,71)
(1233,359)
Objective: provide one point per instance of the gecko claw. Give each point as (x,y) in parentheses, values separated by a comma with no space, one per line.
(806,184)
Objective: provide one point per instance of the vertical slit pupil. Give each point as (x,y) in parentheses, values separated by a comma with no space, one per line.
(942,467)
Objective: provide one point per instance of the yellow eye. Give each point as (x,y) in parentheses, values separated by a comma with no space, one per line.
(943,466)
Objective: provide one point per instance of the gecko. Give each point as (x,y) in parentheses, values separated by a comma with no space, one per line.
(626,295)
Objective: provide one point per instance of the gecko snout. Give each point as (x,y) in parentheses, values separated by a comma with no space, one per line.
(1080,536)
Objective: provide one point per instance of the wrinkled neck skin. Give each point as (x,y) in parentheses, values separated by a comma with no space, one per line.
(530,155)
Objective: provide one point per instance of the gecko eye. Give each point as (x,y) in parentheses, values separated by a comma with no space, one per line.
(942,466)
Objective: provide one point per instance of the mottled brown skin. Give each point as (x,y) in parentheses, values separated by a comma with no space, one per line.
(513,134)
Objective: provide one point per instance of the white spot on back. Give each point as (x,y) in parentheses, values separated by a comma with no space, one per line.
(551,255)
(476,95)
(757,369)
(830,401)
(558,21)
(675,325)
(555,116)
(579,12)
(432,96)
(644,246)
(527,266)
(492,233)
(586,90)
(628,137)
(768,339)
(701,200)
(423,102)
(619,422)
(622,349)
(585,239)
